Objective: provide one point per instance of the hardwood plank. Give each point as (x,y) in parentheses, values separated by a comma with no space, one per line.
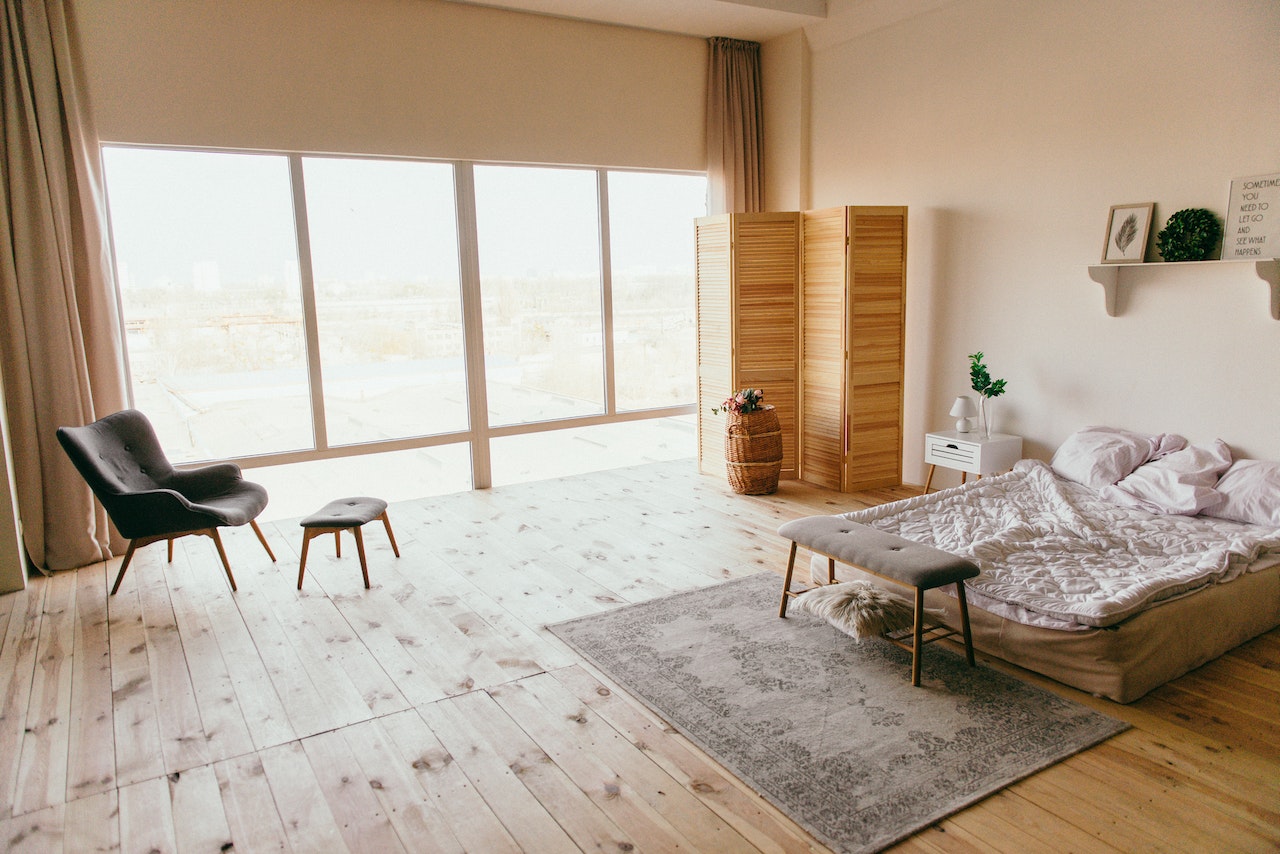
(349,793)
(257,694)
(576,810)
(17,671)
(528,822)
(308,822)
(37,832)
(457,802)
(414,817)
(92,823)
(758,821)
(183,741)
(224,728)
(42,771)
(249,806)
(600,759)
(199,822)
(146,816)
(135,716)
(91,753)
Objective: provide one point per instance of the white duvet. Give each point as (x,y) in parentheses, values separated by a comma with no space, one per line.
(1054,549)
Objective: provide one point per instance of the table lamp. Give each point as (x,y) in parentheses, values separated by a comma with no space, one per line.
(964,410)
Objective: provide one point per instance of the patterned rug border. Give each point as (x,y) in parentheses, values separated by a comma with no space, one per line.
(1107,726)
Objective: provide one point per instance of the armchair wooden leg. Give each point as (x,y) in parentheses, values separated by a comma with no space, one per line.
(124,565)
(217,541)
(262,539)
(386,523)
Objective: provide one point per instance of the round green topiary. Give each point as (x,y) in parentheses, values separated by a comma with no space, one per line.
(1189,235)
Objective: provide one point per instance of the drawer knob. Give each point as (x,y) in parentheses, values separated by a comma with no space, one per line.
(953,447)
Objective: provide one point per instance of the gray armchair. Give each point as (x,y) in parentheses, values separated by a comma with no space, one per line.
(149,500)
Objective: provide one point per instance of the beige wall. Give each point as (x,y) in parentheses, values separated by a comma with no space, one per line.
(401,77)
(1009,128)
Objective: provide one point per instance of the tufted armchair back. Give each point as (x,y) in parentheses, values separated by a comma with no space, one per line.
(117,455)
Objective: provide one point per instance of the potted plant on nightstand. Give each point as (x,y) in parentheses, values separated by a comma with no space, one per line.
(752,442)
(987,388)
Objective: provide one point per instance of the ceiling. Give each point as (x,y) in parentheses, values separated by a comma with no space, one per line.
(754,20)
(825,22)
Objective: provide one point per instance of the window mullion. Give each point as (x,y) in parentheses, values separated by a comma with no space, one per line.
(310,323)
(606,293)
(473,324)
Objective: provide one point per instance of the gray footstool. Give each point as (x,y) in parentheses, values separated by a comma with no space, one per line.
(892,558)
(345,514)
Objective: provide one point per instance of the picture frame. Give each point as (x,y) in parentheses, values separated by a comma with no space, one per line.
(1128,227)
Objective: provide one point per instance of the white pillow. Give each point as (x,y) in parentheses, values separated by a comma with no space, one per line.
(1251,493)
(1182,482)
(1100,456)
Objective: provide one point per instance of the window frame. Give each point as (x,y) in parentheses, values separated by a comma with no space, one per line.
(478,432)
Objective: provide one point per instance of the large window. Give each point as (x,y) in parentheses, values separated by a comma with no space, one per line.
(384,257)
(208,273)
(280,308)
(540,275)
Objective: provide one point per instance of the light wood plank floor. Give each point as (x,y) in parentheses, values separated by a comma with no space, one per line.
(432,713)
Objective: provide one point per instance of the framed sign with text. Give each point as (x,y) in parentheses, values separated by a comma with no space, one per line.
(1251,228)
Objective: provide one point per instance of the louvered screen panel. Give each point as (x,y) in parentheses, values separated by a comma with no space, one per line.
(766,276)
(876,323)
(822,336)
(715,336)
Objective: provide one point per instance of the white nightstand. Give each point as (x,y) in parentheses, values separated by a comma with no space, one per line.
(969,454)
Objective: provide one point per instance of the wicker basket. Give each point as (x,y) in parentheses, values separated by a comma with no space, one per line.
(753,451)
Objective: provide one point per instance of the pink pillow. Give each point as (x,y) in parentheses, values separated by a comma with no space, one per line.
(1251,493)
(1182,482)
(1100,456)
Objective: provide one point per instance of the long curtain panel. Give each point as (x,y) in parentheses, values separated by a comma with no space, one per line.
(59,329)
(735,132)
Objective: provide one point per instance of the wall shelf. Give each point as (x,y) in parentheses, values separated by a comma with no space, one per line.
(1112,277)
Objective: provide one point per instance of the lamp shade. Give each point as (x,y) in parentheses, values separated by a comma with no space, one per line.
(963,409)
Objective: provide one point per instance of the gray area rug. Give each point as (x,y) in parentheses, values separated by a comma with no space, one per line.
(828,729)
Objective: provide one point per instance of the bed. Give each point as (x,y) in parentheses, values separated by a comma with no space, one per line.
(1122,564)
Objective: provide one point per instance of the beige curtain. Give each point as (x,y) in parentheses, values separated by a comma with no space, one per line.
(59,327)
(735,135)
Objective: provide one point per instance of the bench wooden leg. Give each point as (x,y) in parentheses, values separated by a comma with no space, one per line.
(917,645)
(786,583)
(964,623)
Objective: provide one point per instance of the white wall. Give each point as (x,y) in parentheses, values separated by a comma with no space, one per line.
(400,77)
(1009,128)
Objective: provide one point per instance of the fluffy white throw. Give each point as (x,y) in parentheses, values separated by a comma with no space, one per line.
(859,608)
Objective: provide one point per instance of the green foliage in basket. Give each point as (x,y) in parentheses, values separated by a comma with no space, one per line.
(742,402)
(1189,235)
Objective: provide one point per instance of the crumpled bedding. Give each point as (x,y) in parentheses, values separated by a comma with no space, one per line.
(1056,552)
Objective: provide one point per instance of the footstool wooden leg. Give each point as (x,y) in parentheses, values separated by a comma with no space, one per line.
(917,645)
(786,583)
(831,570)
(386,523)
(964,623)
(337,543)
(364,567)
(302,565)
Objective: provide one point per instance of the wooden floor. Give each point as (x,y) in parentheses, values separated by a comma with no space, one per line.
(432,713)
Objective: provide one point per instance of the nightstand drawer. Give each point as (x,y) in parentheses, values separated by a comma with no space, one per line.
(940,451)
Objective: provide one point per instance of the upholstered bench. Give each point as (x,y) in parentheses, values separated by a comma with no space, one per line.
(345,514)
(886,556)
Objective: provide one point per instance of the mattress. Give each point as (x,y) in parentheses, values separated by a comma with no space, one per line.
(1110,600)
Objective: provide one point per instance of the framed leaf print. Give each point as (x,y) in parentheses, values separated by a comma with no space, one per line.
(1127,228)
